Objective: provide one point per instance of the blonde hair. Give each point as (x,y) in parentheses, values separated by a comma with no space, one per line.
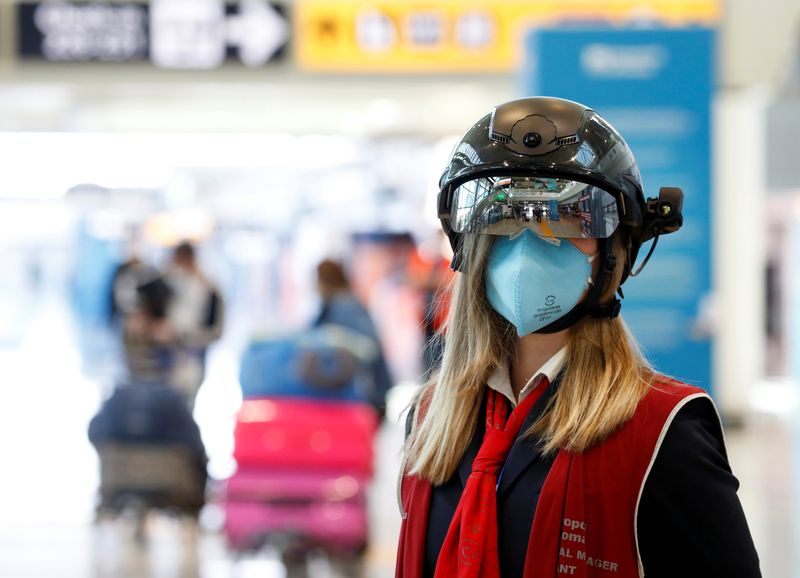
(604,378)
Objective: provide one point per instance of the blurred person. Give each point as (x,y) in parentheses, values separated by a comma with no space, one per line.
(194,316)
(429,271)
(146,334)
(546,444)
(134,315)
(127,278)
(340,307)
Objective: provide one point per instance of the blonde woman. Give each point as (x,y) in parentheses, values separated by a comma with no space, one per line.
(547,446)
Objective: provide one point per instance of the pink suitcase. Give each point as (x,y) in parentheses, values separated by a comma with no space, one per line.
(305,435)
(306,509)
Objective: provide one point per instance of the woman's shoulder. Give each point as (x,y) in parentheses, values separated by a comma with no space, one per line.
(670,407)
(689,411)
(669,393)
(671,386)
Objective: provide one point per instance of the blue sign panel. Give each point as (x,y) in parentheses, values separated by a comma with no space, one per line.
(655,87)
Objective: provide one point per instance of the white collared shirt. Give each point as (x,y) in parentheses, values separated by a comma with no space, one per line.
(500,379)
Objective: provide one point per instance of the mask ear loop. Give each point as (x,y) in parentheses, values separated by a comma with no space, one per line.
(646,259)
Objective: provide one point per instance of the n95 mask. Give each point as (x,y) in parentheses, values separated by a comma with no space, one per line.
(533,282)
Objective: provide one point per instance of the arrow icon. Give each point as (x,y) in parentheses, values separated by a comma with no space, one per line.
(258,31)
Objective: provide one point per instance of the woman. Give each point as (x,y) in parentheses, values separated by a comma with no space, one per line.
(340,307)
(604,467)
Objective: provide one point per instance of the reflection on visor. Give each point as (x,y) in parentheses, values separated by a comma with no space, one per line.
(550,207)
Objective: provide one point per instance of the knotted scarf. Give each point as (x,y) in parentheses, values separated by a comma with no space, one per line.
(470,547)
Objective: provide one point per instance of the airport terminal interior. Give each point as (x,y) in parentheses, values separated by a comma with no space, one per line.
(196,171)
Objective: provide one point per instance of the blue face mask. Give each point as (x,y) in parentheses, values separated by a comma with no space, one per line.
(532,282)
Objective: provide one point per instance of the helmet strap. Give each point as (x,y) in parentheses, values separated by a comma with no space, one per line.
(457,262)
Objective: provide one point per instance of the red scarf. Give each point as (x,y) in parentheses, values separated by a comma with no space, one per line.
(470,547)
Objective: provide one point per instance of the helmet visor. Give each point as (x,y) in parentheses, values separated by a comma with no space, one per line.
(551,207)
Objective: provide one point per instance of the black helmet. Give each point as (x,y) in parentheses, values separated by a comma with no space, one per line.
(557,167)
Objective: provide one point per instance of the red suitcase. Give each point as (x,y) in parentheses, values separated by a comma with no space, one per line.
(296,509)
(305,435)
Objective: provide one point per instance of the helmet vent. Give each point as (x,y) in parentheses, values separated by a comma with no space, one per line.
(567,140)
(500,137)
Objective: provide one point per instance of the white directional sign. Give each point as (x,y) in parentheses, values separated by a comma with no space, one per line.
(258,31)
(197,33)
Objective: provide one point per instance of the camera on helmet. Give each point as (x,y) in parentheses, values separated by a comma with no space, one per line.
(664,214)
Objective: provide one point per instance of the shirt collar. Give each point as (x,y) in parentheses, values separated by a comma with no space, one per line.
(500,380)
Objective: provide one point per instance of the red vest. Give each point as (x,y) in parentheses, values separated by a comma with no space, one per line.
(585,521)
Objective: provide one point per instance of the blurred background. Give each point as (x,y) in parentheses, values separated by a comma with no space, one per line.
(219,253)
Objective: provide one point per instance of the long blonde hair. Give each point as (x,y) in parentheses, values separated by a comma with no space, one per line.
(604,378)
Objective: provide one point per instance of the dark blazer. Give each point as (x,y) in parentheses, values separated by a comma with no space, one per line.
(690,520)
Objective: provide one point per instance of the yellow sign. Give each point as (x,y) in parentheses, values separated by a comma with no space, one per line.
(457,35)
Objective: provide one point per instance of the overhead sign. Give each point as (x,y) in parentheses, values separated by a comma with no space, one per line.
(655,87)
(455,35)
(180,34)
(79,32)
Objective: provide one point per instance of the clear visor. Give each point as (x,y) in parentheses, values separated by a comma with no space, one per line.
(551,207)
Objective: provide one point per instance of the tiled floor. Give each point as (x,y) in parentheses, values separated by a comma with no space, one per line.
(49,477)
